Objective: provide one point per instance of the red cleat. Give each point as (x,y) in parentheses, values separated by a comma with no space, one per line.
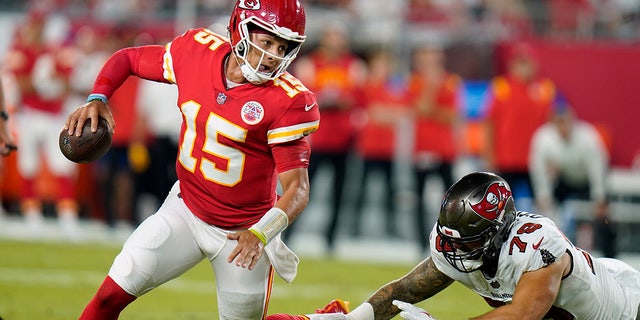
(335,306)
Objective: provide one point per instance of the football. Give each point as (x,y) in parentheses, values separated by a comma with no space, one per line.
(89,146)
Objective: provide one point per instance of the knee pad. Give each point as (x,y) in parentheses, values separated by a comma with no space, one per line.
(240,306)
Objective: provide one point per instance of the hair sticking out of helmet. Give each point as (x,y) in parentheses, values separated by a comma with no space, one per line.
(285,19)
(475,217)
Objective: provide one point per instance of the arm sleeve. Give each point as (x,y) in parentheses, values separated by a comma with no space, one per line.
(144,62)
(300,118)
(291,155)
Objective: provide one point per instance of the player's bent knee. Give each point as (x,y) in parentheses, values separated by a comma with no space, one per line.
(237,306)
(112,296)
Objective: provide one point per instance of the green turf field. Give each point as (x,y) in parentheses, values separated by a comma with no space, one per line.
(54,281)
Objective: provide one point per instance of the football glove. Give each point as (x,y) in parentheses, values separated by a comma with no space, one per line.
(411,312)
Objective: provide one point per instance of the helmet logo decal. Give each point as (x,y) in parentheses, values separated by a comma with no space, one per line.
(249,4)
(492,204)
(252,112)
(452,233)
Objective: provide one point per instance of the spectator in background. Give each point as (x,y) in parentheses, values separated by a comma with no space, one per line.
(436,109)
(569,161)
(7,143)
(161,120)
(520,102)
(87,54)
(385,102)
(42,74)
(336,75)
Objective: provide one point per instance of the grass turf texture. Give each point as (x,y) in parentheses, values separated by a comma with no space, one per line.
(54,281)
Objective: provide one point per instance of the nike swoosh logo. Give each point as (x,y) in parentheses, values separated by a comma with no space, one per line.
(309,107)
(535,246)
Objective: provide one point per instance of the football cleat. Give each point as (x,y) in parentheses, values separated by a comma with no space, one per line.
(335,306)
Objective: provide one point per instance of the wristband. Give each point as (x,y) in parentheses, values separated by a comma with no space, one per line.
(270,225)
(362,312)
(97,96)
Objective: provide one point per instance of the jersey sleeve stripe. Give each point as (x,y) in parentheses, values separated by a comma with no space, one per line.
(168,73)
(290,133)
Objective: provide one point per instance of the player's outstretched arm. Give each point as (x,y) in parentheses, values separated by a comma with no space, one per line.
(144,62)
(421,283)
(424,281)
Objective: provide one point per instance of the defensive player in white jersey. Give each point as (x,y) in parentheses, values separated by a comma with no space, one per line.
(521,263)
(244,125)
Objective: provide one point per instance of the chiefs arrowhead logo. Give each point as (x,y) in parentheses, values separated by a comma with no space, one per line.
(249,4)
(493,201)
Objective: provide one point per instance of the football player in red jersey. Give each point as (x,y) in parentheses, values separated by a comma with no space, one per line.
(244,125)
(41,75)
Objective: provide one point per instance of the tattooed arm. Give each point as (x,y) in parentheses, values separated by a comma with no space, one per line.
(424,281)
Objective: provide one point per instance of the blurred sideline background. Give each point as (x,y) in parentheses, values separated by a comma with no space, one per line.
(590,48)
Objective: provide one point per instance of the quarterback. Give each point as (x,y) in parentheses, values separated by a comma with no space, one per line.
(519,262)
(244,125)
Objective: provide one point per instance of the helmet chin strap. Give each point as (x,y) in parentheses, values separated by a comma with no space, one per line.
(490,263)
(251,75)
(248,72)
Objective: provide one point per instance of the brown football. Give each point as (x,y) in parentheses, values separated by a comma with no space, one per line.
(89,146)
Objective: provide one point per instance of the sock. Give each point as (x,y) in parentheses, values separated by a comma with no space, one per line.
(108,302)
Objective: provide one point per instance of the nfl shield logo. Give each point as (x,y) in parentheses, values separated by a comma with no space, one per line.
(222,98)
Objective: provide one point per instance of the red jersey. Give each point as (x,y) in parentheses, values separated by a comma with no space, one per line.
(432,135)
(337,80)
(225,164)
(377,139)
(21,62)
(517,109)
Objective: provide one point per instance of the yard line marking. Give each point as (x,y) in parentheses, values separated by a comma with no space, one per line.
(70,278)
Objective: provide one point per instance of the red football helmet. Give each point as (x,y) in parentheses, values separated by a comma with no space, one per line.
(283,18)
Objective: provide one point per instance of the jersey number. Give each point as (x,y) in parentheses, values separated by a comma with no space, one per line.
(516,242)
(215,127)
(207,37)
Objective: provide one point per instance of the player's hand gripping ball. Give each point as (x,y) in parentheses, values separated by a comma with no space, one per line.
(89,146)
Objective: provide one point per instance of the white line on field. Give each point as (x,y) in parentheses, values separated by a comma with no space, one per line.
(71,278)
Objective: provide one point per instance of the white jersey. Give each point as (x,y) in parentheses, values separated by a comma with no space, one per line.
(595,289)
